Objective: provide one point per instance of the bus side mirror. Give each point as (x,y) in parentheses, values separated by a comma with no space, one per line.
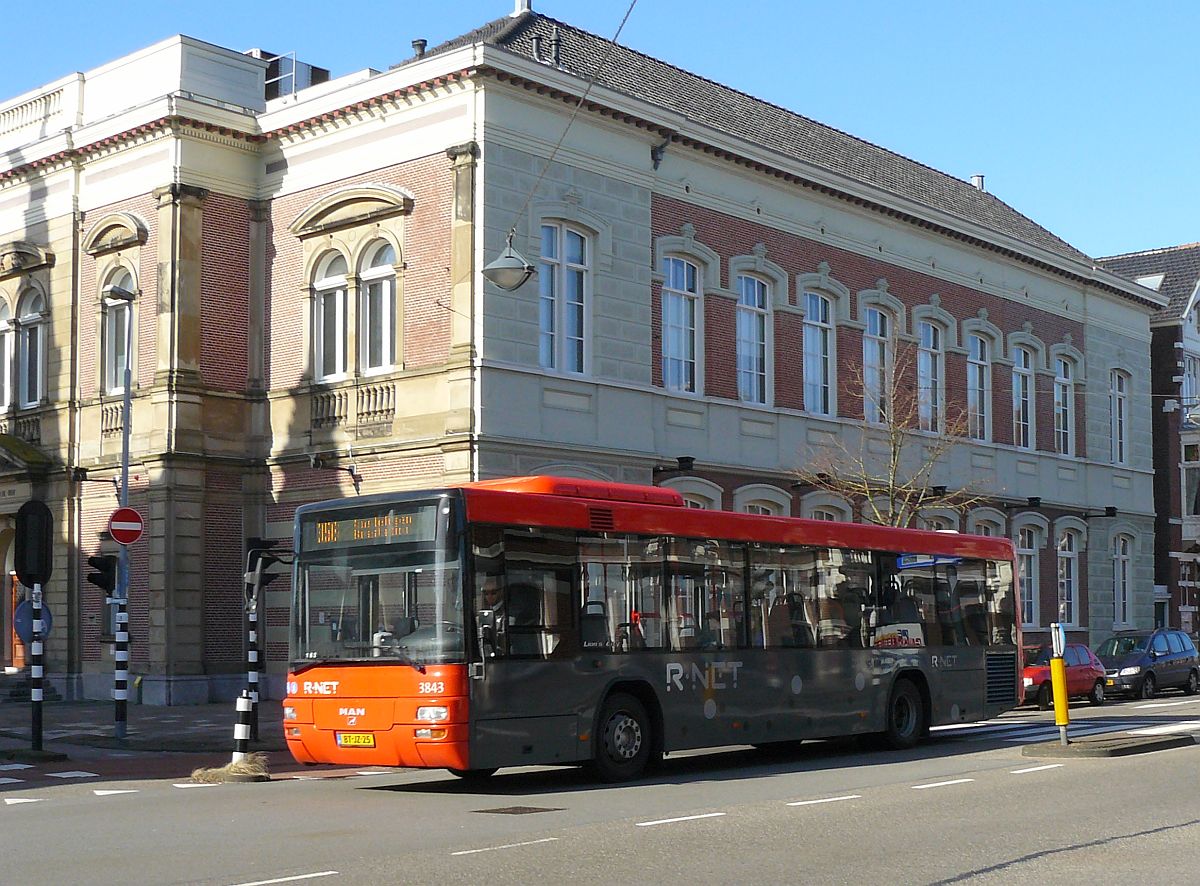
(487,632)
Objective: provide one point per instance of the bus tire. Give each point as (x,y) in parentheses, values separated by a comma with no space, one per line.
(624,739)
(906,716)
(472,775)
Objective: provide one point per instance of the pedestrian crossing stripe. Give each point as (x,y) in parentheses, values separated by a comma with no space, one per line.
(110,793)
(12,801)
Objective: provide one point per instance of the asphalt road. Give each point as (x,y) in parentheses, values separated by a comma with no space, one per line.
(967,807)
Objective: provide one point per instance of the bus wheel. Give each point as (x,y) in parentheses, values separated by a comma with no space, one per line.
(473,775)
(906,716)
(623,741)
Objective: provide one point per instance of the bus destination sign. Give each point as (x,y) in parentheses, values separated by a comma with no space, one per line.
(359,529)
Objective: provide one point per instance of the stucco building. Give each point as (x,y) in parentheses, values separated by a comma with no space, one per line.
(715,276)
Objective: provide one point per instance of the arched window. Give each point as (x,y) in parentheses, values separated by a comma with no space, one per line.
(681,305)
(752,315)
(1068,576)
(329,318)
(1118,408)
(1028,564)
(564,286)
(1023,393)
(118,330)
(979,387)
(877,364)
(986,527)
(818,354)
(6,345)
(377,311)
(1122,559)
(930,396)
(1064,406)
(825,514)
(31,343)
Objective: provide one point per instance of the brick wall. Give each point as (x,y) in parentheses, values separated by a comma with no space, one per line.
(225,284)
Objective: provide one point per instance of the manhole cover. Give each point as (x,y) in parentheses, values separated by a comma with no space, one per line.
(518,810)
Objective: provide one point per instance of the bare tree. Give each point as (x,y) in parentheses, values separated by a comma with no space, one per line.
(887,468)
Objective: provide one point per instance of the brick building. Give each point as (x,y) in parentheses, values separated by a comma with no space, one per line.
(713,275)
(1174,272)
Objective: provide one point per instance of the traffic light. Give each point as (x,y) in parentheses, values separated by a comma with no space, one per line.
(260,562)
(105,576)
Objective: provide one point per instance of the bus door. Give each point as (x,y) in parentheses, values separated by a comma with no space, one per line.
(525,702)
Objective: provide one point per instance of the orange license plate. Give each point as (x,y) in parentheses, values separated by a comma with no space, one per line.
(355,740)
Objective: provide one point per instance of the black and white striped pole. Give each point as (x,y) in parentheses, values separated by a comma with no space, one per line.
(121,663)
(241,729)
(36,671)
(33,561)
(252,662)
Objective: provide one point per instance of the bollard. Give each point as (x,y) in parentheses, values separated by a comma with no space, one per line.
(121,669)
(1058,681)
(252,667)
(241,729)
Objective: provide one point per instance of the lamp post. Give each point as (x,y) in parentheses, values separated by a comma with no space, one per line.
(121,627)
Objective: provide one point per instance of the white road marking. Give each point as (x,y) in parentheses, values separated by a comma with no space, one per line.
(74,773)
(1037,768)
(978,725)
(492,848)
(941,784)
(7,780)
(291,879)
(1168,704)
(110,793)
(647,824)
(826,800)
(10,767)
(11,801)
(1183,726)
(199,784)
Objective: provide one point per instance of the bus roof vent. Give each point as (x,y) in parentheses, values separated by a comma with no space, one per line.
(602,519)
(577,488)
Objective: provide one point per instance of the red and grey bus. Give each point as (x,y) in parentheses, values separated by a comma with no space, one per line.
(547,620)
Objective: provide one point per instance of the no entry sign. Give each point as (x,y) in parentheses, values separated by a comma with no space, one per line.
(125,526)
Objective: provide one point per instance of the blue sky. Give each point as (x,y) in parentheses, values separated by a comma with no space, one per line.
(1079,114)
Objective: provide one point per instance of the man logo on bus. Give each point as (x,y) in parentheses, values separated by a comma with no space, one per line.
(711,676)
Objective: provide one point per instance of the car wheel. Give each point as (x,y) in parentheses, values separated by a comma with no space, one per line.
(907,718)
(624,739)
(1045,699)
(1149,686)
(1096,696)
(1192,684)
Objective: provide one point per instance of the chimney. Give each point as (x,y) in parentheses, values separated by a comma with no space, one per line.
(522,7)
(418,46)
(977,182)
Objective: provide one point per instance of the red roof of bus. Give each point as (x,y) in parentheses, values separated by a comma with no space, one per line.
(620,507)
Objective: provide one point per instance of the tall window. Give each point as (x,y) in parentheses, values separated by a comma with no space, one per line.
(1068,576)
(752,339)
(876,365)
(680,298)
(929,376)
(329,319)
(31,345)
(1190,391)
(6,345)
(1027,566)
(1022,390)
(979,387)
(563,284)
(818,356)
(1122,551)
(1064,406)
(1118,406)
(377,312)
(117,319)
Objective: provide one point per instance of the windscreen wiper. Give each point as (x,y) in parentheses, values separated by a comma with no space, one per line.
(407,659)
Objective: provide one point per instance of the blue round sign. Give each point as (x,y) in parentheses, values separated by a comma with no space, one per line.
(23,621)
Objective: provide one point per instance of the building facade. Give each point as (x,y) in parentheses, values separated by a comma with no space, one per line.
(1174,272)
(721,286)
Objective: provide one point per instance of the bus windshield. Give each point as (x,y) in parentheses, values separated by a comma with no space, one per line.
(378,583)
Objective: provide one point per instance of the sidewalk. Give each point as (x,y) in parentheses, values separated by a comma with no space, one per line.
(186,728)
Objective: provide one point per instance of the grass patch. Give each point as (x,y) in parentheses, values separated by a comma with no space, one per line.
(252,767)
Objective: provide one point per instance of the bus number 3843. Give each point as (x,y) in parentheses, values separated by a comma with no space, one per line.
(431,688)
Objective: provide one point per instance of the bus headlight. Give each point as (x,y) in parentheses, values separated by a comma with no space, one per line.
(433,713)
(289,712)
(431,733)
(1129,672)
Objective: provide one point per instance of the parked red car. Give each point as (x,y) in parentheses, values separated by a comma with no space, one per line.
(1085,675)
